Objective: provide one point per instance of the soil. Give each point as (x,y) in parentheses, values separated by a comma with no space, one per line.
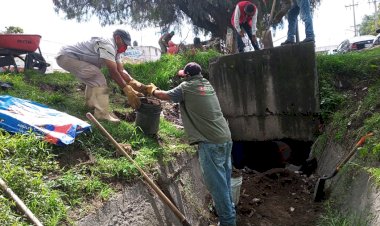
(277,197)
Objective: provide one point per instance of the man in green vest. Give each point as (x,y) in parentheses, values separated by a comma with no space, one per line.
(205,126)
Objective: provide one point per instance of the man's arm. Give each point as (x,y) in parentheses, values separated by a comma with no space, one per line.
(161,94)
(254,22)
(115,74)
(236,19)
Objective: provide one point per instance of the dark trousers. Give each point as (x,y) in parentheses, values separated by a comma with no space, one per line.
(240,42)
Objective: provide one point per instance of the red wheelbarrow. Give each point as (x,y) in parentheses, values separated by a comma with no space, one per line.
(22,46)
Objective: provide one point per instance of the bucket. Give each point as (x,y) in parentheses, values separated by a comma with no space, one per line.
(235,188)
(148,116)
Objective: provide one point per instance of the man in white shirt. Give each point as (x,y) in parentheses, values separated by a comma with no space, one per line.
(85,60)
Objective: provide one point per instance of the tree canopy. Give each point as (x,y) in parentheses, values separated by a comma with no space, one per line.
(13,30)
(205,15)
(368,25)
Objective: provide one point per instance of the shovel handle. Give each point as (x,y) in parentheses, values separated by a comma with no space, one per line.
(20,204)
(353,151)
(158,191)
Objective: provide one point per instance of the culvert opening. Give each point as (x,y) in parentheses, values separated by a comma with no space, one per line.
(265,155)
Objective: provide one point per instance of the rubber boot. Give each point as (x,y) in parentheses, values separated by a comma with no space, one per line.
(101,104)
(90,97)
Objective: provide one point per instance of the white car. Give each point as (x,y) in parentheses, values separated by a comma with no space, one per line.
(376,41)
(355,43)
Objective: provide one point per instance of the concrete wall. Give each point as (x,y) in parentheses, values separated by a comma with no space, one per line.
(268,94)
(139,205)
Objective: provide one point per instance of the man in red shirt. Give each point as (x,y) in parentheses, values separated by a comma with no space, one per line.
(245,17)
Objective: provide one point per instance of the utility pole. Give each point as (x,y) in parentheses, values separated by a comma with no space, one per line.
(353,5)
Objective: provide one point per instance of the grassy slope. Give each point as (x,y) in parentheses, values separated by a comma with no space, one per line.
(50,179)
(350,101)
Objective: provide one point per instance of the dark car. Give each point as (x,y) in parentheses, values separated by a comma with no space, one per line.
(355,43)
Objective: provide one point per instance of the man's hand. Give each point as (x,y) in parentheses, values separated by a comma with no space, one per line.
(132,95)
(241,33)
(150,89)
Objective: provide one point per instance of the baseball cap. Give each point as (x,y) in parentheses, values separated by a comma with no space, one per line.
(191,69)
(124,35)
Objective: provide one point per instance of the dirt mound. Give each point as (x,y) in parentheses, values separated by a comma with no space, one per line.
(277,197)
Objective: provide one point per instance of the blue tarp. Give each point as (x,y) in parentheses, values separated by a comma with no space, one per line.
(25,116)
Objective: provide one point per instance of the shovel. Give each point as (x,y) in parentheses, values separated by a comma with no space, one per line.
(267,34)
(150,182)
(319,192)
(20,204)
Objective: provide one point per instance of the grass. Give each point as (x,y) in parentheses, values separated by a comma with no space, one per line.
(50,179)
(333,217)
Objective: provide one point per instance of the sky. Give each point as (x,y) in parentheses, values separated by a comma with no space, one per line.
(333,22)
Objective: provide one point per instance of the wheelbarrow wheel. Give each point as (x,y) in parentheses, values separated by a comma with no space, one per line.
(36,61)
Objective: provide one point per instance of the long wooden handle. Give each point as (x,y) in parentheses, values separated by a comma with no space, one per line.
(163,197)
(272,13)
(353,151)
(20,204)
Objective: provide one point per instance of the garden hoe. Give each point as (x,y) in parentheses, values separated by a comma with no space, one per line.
(267,34)
(319,192)
(150,182)
(20,204)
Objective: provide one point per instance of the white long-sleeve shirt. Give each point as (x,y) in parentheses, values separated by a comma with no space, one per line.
(237,24)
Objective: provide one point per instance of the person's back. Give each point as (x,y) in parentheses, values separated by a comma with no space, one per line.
(203,118)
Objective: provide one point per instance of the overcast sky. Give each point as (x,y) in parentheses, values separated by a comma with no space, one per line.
(333,22)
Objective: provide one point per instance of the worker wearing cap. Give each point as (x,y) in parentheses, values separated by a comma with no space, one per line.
(205,125)
(244,18)
(85,60)
(164,41)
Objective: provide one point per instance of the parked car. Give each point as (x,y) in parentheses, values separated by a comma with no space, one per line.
(355,43)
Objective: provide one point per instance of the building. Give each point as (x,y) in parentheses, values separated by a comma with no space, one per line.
(139,54)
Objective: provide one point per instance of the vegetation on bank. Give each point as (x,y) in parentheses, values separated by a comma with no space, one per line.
(52,182)
(350,104)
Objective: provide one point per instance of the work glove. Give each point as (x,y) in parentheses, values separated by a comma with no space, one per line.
(133,97)
(138,86)
(150,89)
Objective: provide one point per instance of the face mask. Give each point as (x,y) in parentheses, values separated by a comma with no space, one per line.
(122,49)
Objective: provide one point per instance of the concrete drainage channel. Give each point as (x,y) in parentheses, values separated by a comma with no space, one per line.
(180,180)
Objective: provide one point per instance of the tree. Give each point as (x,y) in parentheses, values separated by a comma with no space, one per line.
(368,26)
(13,30)
(205,15)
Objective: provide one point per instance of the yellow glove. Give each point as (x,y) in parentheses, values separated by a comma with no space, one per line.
(132,95)
(138,86)
(151,88)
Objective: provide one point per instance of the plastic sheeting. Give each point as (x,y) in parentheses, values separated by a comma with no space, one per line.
(25,116)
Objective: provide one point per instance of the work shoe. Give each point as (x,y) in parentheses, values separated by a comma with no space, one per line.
(287,42)
(307,40)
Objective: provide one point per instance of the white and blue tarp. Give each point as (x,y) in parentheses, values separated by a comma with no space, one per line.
(25,116)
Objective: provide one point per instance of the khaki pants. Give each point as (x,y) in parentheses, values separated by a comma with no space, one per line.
(85,72)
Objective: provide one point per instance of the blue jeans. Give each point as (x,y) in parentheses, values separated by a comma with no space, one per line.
(215,162)
(301,7)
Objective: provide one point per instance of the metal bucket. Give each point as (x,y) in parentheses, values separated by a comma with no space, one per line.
(148,116)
